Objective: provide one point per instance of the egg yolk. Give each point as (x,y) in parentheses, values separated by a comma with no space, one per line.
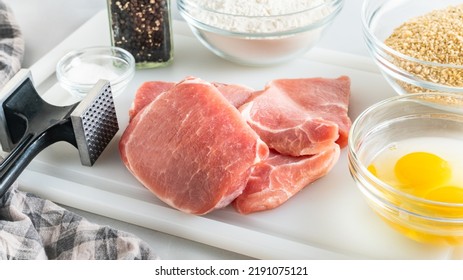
(449,194)
(373,170)
(421,171)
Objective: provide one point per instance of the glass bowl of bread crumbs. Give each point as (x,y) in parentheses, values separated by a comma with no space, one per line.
(417,44)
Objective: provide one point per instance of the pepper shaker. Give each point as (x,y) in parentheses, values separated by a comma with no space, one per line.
(143,28)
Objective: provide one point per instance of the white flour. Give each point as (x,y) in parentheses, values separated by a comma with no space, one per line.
(297,13)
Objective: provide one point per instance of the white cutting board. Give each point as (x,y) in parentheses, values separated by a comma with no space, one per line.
(327,220)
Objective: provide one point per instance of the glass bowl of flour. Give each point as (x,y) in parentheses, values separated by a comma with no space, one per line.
(259,32)
(79,70)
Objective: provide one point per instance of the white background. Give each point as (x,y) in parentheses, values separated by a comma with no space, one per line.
(45,23)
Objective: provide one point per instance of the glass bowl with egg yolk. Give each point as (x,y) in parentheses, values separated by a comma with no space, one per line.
(406,155)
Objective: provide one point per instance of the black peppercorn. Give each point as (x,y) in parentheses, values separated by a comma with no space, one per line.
(143,28)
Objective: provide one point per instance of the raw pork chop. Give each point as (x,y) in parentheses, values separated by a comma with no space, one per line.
(301,116)
(237,95)
(201,157)
(279,177)
(146,93)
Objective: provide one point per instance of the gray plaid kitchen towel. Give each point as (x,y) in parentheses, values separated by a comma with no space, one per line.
(11,45)
(36,228)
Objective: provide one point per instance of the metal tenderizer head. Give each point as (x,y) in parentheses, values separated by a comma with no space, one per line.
(94,122)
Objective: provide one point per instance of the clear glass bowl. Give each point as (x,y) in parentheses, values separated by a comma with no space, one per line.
(404,73)
(392,121)
(79,70)
(259,39)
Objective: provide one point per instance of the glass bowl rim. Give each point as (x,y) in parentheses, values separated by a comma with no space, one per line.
(338,4)
(122,54)
(335,3)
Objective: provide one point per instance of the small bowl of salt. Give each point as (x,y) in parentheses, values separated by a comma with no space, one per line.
(259,32)
(79,70)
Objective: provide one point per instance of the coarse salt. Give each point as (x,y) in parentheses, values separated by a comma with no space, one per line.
(89,73)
